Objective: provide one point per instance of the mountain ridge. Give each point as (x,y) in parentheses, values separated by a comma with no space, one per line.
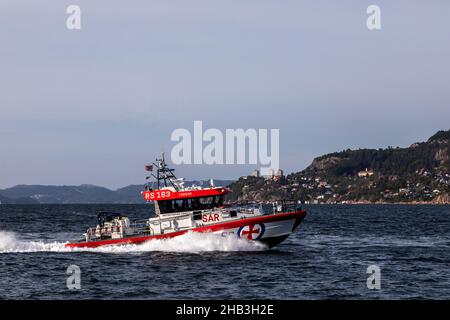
(419,173)
(80,194)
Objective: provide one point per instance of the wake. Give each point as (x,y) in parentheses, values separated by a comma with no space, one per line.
(190,242)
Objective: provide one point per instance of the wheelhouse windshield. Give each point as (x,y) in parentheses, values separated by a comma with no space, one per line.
(191,204)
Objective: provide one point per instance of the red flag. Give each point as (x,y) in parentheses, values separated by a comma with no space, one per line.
(149,167)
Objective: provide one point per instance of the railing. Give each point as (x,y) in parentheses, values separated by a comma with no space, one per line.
(269,207)
(287,205)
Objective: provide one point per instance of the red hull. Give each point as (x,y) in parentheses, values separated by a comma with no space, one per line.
(298,215)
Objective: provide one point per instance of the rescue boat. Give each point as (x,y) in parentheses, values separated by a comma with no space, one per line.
(180,209)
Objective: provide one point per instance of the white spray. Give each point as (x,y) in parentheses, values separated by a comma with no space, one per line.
(189,242)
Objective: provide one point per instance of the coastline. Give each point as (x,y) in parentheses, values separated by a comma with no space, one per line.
(389,203)
(439,200)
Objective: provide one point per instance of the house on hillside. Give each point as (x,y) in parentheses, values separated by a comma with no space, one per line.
(365,173)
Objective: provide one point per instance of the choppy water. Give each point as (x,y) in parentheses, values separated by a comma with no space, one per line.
(327,258)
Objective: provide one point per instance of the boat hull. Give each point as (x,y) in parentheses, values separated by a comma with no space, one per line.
(268,229)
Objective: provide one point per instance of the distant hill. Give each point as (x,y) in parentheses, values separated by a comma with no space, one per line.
(29,194)
(21,200)
(62,194)
(419,173)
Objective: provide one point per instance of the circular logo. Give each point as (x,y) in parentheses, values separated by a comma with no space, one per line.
(251,232)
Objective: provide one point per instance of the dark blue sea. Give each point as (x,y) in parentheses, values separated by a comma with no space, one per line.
(327,258)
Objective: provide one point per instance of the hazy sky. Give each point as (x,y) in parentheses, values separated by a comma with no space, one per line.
(94,105)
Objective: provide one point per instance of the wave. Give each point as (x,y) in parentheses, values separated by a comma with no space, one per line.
(190,242)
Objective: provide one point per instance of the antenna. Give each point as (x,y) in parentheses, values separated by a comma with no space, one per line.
(164,174)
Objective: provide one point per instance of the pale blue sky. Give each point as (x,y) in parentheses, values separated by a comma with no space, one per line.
(94,105)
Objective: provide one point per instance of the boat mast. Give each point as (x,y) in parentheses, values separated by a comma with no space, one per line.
(164,173)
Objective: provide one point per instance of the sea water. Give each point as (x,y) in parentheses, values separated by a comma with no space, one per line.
(327,257)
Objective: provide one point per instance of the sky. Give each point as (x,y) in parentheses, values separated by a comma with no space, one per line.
(95,105)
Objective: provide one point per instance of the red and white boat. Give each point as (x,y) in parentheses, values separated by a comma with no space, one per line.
(182,209)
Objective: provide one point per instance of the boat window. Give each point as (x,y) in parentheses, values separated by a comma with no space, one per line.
(181,205)
(206,200)
(219,200)
(197,215)
(165,206)
(178,205)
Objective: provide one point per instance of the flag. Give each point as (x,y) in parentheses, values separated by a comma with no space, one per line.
(149,167)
